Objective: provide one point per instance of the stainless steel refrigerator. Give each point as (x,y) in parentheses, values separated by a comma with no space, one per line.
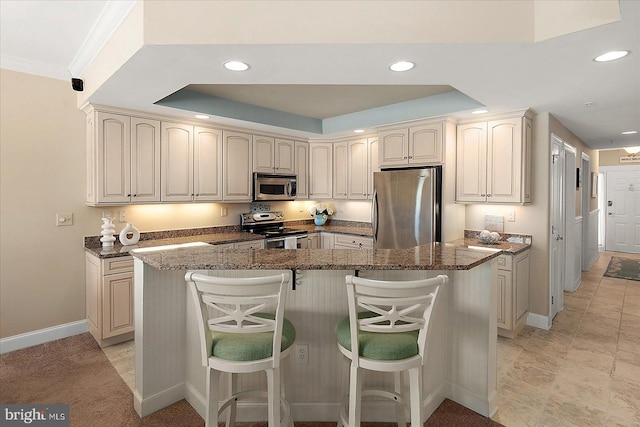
(405,210)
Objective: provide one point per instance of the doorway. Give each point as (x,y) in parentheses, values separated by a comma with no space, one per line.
(622,210)
(557,232)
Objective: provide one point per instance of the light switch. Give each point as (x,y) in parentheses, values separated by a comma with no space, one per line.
(64,219)
(512,216)
(123,216)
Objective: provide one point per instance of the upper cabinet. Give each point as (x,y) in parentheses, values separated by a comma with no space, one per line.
(302,169)
(207,164)
(273,155)
(123,159)
(494,160)
(340,170)
(421,144)
(237,167)
(320,170)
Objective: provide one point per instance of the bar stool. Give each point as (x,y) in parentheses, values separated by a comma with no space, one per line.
(242,329)
(388,322)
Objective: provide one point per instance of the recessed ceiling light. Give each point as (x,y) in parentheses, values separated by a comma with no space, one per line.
(201,116)
(630,132)
(480,111)
(402,66)
(611,56)
(632,150)
(236,66)
(358,131)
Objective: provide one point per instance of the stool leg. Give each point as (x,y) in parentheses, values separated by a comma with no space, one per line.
(231,411)
(273,396)
(213,381)
(398,388)
(344,387)
(415,381)
(355,395)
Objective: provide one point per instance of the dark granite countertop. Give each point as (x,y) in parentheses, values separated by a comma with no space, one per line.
(506,247)
(437,256)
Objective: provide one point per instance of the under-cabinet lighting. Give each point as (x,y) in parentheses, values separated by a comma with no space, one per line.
(402,66)
(611,56)
(630,132)
(201,116)
(236,66)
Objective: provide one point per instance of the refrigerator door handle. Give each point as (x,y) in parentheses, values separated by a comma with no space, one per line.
(374,215)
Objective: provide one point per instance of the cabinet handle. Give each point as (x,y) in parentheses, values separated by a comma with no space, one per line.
(483,195)
(128,195)
(135,195)
(411,157)
(360,245)
(488,195)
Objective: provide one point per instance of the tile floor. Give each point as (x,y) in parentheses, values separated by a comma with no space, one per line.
(585,371)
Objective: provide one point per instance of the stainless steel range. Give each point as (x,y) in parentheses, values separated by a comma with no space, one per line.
(271,225)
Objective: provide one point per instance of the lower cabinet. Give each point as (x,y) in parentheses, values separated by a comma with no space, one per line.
(314,241)
(251,244)
(348,241)
(109,298)
(512,293)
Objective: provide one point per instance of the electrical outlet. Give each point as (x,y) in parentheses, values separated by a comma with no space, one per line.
(512,216)
(224,211)
(302,354)
(63,219)
(123,216)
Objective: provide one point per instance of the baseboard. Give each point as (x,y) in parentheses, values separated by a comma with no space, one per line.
(159,400)
(538,321)
(480,404)
(42,336)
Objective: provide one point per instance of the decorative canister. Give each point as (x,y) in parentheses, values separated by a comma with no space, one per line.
(129,230)
(108,230)
(320,219)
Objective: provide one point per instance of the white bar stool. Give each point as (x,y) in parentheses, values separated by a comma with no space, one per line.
(242,329)
(389,323)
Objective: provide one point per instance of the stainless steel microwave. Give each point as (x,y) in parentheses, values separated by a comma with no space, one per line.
(274,187)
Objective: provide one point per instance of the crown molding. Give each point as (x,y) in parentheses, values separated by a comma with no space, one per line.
(109,20)
(34,67)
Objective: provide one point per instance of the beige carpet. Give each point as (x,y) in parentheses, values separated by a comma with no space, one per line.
(75,371)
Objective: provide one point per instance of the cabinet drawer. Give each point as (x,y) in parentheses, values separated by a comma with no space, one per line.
(117,265)
(505,262)
(252,244)
(353,241)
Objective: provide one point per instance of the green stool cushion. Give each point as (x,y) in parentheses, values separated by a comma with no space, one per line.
(379,345)
(249,347)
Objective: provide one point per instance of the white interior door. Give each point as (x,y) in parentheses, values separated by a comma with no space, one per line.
(623,211)
(556,241)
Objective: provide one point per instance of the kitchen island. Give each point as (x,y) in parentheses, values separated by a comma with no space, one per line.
(461,359)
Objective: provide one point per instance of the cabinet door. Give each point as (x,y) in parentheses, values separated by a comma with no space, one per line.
(145,160)
(340,168)
(207,164)
(394,147)
(253,244)
(302,169)
(471,175)
(327,241)
(117,304)
(425,144)
(113,158)
(504,154)
(177,162)
(284,156)
(263,154)
(358,171)
(93,281)
(320,170)
(374,164)
(504,299)
(313,241)
(237,166)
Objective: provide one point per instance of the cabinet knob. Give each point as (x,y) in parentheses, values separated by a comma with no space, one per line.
(488,195)
(135,195)
(128,195)
(483,195)
(411,157)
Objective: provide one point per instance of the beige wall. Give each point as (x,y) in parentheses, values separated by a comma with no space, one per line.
(612,158)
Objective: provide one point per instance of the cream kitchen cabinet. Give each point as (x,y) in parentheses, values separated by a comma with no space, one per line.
(327,240)
(191,163)
(237,166)
(123,159)
(251,244)
(109,298)
(363,162)
(340,170)
(512,293)
(421,144)
(314,241)
(320,170)
(273,155)
(349,241)
(494,160)
(302,169)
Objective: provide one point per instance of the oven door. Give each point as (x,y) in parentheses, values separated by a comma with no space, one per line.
(299,241)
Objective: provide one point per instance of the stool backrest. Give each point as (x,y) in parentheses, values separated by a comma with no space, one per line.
(398,306)
(230,305)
